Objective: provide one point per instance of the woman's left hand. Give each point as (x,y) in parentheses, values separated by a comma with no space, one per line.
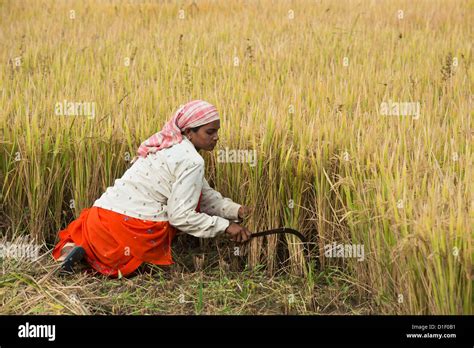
(244,211)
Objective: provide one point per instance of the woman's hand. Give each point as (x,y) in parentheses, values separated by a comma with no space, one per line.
(238,233)
(244,211)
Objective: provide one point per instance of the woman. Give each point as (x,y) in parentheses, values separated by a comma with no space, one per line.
(163,192)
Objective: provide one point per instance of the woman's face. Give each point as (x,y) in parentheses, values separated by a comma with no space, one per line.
(206,137)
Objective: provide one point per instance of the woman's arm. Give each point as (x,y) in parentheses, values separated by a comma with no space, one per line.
(213,203)
(183,201)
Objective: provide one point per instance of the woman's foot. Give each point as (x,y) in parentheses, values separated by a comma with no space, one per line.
(66,250)
(72,255)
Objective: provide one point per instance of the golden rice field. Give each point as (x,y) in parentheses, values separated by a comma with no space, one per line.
(359,112)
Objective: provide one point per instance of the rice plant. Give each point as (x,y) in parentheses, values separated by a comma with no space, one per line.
(305,84)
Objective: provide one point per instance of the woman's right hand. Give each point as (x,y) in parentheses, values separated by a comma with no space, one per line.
(238,233)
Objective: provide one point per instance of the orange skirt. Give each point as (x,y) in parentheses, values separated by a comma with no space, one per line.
(115,242)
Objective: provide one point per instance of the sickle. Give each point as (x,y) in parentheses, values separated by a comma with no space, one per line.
(279,231)
(285,230)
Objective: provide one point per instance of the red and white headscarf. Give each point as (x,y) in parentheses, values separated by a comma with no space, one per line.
(193,114)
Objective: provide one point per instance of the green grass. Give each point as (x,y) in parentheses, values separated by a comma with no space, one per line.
(36,289)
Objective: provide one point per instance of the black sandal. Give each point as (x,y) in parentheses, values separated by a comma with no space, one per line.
(75,256)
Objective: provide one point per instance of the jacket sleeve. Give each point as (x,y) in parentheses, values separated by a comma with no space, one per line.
(213,203)
(183,201)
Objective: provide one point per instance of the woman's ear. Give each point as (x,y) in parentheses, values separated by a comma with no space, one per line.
(186,132)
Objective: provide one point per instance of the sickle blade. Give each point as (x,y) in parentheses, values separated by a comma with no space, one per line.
(285,230)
